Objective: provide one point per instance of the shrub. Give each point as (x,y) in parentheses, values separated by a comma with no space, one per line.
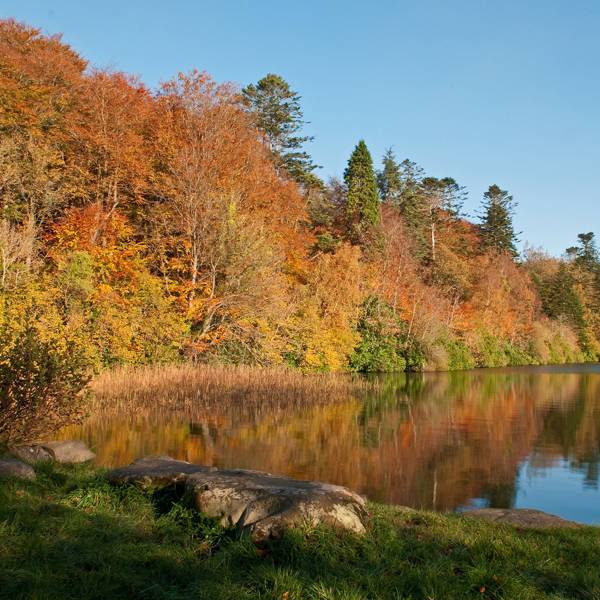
(382,343)
(460,356)
(489,350)
(42,375)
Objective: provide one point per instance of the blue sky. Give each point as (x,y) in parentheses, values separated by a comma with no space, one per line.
(485,91)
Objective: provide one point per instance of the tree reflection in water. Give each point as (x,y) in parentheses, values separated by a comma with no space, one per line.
(437,441)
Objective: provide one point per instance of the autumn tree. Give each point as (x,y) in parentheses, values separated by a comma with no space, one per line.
(140,225)
(225,241)
(40,79)
(496,227)
(443,200)
(278,114)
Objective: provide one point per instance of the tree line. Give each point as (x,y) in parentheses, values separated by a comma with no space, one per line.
(189,222)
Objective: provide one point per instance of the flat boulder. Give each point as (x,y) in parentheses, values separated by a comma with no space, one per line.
(155,471)
(266,505)
(11,467)
(527,518)
(66,451)
(262,504)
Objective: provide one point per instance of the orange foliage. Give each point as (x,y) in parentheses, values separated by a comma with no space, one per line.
(176,191)
(503,300)
(38,79)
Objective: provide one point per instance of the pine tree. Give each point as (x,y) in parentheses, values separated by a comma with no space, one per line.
(496,228)
(279,117)
(560,300)
(411,199)
(362,198)
(412,205)
(388,179)
(586,257)
(586,254)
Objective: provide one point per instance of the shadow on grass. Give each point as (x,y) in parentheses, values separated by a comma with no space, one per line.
(72,536)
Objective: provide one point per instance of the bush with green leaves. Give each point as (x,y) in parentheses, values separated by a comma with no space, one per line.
(382,345)
(460,356)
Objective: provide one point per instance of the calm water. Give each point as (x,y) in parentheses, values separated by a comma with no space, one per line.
(526,437)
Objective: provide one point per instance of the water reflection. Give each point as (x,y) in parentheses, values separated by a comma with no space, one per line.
(500,438)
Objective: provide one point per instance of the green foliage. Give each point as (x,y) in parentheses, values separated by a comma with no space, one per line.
(490,351)
(497,231)
(279,116)
(413,205)
(362,198)
(415,355)
(518,356)
(70,535)
(444,197)
(561,301)
(382,340)
(75,277)
(586,254)
(459,355)
(388,179)
(426,202)
(561,351)
(326,242)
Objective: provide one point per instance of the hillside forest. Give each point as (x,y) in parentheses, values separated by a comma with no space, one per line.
(189,223)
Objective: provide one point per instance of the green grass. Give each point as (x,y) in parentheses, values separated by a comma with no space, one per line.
(69,535)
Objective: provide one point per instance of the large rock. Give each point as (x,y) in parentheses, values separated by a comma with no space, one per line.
(67,451)
(527,518)
(261,503)
(11,467)
(266,505)
(155,471)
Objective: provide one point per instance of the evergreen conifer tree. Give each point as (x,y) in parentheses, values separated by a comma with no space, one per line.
(560,300)
(388,179)
(496,228)
(279,116)
(362,198)
(586,254)
(412,205)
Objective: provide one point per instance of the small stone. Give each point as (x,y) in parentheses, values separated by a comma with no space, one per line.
(11,467)
(69,451)
(32,453)
(526,518)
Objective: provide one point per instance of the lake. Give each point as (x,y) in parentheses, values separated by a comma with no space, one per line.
(519,437)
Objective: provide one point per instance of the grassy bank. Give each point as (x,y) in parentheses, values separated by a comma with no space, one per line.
(70,536)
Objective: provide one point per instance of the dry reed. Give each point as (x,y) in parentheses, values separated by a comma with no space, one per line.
(183,384)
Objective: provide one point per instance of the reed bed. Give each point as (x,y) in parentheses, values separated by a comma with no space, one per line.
(178,385)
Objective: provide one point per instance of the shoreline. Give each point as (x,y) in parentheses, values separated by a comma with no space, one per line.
(71,535)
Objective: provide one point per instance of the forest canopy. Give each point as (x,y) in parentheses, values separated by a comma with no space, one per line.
(189,222)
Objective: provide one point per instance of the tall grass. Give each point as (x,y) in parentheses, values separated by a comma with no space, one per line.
(209,384)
